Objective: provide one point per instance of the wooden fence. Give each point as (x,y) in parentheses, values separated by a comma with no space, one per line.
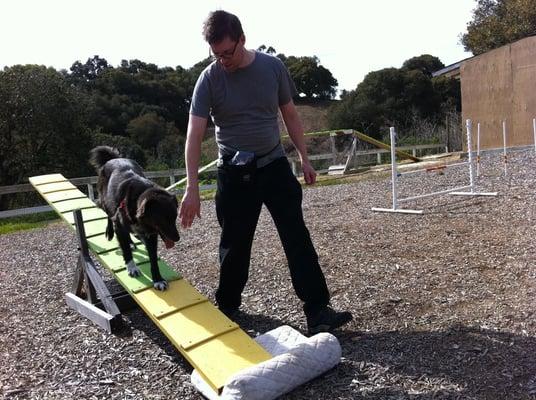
(172,174)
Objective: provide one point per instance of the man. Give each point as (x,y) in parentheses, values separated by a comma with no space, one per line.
(242,91)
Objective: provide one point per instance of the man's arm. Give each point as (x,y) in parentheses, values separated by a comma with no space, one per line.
(295,131)
(191,204)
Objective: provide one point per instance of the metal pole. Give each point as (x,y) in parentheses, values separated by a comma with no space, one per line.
(478,150)
(468,126)
(534,129)
(504,145)
(392,135)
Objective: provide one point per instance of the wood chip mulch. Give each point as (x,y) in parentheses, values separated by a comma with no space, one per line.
(444,303)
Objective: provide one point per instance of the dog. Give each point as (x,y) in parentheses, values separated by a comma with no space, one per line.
(134,204)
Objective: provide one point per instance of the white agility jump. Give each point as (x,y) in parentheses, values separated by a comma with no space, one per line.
(460,191)
(504,152)
(504,157)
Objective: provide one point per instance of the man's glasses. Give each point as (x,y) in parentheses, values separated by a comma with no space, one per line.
(226,55)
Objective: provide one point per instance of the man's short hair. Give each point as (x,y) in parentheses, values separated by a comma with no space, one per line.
(220,24)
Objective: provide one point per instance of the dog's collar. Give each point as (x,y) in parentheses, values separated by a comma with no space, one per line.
(124,209)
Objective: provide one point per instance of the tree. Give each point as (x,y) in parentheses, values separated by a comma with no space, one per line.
(449,92)
(148,130)
(43,124)
(311,79)
(395,97)
(425,63)
(499,22)
(127,148)
(170,151)
(94,66)
(135,88)
(267,50)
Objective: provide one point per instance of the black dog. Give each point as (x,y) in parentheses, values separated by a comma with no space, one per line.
(136,205)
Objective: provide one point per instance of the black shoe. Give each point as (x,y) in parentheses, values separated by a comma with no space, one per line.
(230,312)
(326,320)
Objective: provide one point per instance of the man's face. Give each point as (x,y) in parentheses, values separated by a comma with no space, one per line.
(228,53)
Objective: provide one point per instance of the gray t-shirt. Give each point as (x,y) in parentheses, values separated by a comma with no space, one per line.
(244,105)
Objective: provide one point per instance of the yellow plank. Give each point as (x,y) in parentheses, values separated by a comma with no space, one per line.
(70,205)
(88,214)
(219,359)
(195,324)
(179,295)
(99,244)
(114,259)
(56,187)
(42,179)
(95,228)
(64,195)
(144,281)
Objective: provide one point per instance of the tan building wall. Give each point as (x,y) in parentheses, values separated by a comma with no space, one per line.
(501,85)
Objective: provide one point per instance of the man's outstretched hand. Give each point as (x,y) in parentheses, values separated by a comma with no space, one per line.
(190,207)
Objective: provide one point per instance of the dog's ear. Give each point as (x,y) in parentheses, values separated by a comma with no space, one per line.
(142,206)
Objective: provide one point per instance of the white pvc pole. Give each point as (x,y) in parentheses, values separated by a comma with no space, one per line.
(468,126)
(393,166)
(478,150)
(534,129)
(504,145)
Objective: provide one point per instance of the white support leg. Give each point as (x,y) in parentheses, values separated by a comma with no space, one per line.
(398,210)
(472,192)
(394,176)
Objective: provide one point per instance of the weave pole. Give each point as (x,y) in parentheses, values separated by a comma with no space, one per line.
(478,150)
(468,127)
(534,129)
(505,157)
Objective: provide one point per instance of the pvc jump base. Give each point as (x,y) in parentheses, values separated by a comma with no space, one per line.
(454,191)
(214,345)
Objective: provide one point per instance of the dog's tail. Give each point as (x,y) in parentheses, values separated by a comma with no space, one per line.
(100,155)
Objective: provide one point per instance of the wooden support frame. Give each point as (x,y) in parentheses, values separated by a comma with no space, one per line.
(90,296)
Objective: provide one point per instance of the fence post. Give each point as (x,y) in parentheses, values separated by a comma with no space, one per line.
(90,192)
(378,158)
(171,179)
(294,168)
(333,149)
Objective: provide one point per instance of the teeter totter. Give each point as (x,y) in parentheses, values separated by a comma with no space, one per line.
(228,363)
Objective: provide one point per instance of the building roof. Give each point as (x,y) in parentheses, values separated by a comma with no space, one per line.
(452,69)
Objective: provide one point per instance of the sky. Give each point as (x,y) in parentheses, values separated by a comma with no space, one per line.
(350,37)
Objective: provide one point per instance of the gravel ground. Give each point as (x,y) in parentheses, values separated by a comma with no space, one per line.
(444,303)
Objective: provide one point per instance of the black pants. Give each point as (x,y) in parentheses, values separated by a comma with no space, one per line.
(238,206)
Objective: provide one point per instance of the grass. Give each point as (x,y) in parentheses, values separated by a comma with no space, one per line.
(26,222)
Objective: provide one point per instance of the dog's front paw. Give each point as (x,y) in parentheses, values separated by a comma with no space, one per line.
(133,269)
(160,285)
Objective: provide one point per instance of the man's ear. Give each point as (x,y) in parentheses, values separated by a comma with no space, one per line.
(140,212)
